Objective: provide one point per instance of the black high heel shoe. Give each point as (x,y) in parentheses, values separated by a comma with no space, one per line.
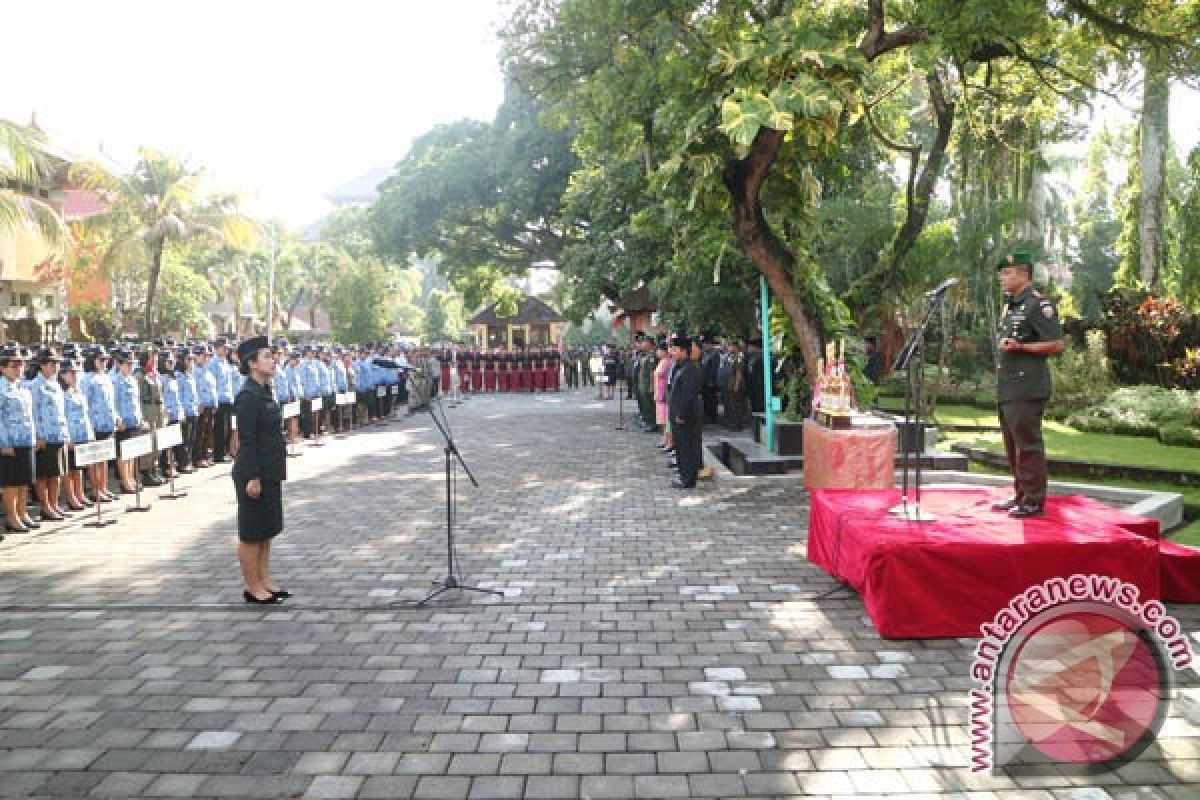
(270,601)
(10,528)
(282,594)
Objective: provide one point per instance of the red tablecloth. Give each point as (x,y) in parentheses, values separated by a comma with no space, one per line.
(863,458)
(946,577)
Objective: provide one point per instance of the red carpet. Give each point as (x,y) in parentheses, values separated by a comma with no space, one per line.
(946,577)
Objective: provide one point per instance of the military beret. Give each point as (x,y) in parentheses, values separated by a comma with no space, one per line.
(1017,258)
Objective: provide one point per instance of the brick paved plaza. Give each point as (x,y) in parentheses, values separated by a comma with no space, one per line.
(650,643)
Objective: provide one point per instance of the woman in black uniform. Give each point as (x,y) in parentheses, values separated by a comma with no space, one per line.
(259,471)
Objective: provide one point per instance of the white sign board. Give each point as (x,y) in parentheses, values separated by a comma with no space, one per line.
(317,404)
(137,446)
(381,391)
(95,452)
(233,423)
(395,390)
(346,398)
(291,410)
(170,436)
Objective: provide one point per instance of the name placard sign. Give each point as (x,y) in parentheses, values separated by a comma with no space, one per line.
(291,410)
(137,446)
(170,436)
(395,390)
(381,391)
(318,403)
(346,398)
(95,452)
(233,422)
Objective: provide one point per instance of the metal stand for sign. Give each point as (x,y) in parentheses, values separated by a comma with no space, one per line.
(87,455)
(137,495)
(620,408)
(173,493)
(316,423)
(291,411)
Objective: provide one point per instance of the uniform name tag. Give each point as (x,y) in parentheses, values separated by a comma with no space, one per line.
(170,436)
(317,404)
(137,446)
(291,410)
(95,452)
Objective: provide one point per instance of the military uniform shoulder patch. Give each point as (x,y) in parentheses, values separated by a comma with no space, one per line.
(1047,310)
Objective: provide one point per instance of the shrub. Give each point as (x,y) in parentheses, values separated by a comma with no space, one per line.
(1179,435)
(1140,411)
(1082,377)
(1148,338)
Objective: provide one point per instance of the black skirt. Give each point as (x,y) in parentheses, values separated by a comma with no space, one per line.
(261,519)
(17,470)
(52,461)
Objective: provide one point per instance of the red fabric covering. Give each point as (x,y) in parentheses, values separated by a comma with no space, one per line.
(445,376)
(857,458)
(946,577)
(477,380)
(1179,567)
(489,379)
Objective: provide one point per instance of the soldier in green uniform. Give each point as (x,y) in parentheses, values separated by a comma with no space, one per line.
(1029,333)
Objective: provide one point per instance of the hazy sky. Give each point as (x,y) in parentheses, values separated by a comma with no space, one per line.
(282,101)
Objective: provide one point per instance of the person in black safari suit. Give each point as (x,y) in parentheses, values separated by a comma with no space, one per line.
(259,471)
(687,411)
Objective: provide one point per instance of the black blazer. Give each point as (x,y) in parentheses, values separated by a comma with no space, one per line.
(262,450)
(684,402)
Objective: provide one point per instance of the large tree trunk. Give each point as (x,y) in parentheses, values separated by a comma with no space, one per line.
(156,256)
(744,179)
(920,187)
(1155,137)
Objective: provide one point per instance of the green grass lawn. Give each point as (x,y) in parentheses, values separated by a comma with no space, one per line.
(1099,448)
(1188,534)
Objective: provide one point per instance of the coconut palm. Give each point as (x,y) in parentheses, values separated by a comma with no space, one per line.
(23,163)
(160,202)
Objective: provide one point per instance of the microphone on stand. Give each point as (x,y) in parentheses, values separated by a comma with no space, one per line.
(941,288)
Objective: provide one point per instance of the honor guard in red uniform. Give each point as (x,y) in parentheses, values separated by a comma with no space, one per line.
(464,372)
(444,369)
(538,370)
(489,371)
(476,370)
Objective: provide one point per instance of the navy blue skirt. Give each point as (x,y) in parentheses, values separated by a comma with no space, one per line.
(262,518)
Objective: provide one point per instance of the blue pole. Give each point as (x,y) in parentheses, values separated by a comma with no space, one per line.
(765,304)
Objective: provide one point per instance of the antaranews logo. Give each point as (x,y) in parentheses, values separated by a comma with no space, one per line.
(1074,670)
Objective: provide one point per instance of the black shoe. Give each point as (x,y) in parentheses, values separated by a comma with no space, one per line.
(282,594)
(273,600)
(33,525)
(15,528)
(1026,510)
(51,517)
(1007,505)
(681,484)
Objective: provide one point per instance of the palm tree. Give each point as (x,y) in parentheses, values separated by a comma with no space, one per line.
(23,163)
(163,201)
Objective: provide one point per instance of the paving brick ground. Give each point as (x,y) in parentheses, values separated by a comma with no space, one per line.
(649,643)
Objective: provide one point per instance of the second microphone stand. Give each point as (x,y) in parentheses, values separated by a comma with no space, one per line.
(452,580)
(910,356)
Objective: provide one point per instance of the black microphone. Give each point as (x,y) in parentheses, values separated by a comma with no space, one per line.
(942,287)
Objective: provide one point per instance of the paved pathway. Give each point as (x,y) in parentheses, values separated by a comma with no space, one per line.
(649,643)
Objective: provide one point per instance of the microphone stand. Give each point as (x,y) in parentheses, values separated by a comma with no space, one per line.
(452,580)
(913,353)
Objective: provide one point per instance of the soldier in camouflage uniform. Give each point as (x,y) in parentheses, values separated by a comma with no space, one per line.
(1029,333)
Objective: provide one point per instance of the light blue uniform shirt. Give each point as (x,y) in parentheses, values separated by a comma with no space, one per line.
(339,375)
(206,386)
(129,404)
(188,393)
(281,385)
(16,415)
(326,373)
(218,367)
(310,378)
(79,422)
(101,401)
(172,404)
(49,414)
